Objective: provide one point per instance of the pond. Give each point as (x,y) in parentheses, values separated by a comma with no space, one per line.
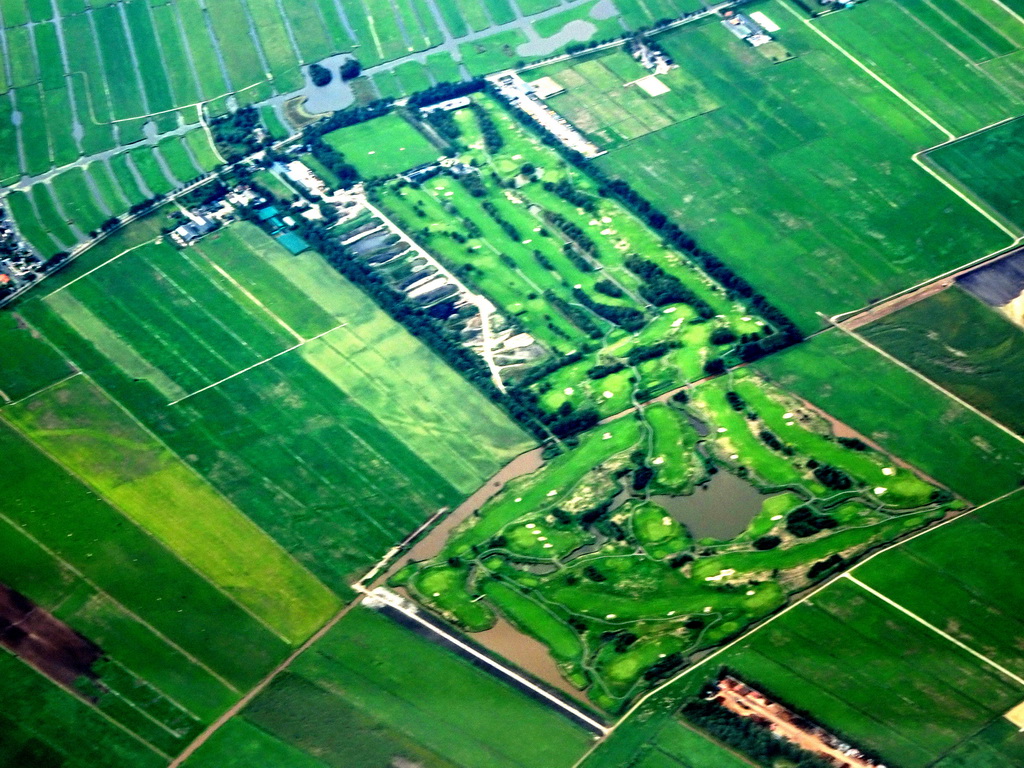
(722,508)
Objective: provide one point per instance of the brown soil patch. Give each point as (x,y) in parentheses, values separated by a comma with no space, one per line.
(47,643)
(902,301)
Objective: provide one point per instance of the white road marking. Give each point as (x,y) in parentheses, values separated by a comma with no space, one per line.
(248,294)
(996,666)
(101,266)
(256,365)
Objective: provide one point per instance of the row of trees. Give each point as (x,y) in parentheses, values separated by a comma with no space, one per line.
(432,329)
(736,287)
(749,736)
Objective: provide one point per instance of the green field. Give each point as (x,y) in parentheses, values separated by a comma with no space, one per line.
(988,164)
(602,99)
(79,426)
(383,147)
(813,196)
(964,346)
(308,421)
(960,60)
(394,694)
(891,406)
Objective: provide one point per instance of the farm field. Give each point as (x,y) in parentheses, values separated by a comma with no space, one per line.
(381,681)
(891,406)
(963,345)
(614,586)
(323,344)
(603,99)
(988,164)
(777,208)
(941,37)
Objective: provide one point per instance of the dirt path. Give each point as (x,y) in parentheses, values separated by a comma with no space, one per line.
(260,686)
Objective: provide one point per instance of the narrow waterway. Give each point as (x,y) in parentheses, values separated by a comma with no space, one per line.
(431,544)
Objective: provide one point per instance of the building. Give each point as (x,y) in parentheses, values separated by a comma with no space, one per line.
(745,28)
(305,178)
(197,226)
(447,106)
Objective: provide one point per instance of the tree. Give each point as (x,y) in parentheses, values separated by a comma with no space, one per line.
(351,69)
(320,75)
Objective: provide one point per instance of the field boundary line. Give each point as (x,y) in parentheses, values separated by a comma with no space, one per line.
(922,161)
(90,705)
(249,295)
(126,251)
(874,75)
(257,365)
(1009,10)
(995,665)
(100,590)
(104,497)
(239,705)
(38,392)
(853,334)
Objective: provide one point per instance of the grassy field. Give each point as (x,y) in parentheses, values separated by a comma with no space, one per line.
(114,582)
(891,406)
(239,301)
(602,99)
(964,346)
(926,60)
(89,434)
(383,147)
(382,684)
(812,166)
(988,164)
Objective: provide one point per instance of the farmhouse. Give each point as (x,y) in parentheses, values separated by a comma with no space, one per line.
(745,28)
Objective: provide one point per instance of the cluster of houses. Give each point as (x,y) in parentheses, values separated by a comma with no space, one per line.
(20,265)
